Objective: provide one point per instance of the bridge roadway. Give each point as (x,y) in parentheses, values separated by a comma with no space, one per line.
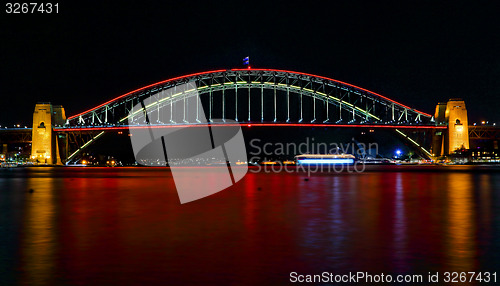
(247,124)
(20,135)
(89,134)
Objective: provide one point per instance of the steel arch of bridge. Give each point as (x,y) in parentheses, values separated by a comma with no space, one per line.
(330,101)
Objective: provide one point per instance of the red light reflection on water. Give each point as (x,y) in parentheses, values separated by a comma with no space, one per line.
(126,226)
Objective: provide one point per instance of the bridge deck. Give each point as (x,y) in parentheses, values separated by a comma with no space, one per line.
(249,124)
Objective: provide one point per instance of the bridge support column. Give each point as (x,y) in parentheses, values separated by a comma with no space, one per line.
(327,115)
(340,111)
(314,109)
(223,105)
(236,103)
(301,114)
(210,105)
(249,102)
(288,104)
(275,116)
(453,114)
(44,145)
(262,103)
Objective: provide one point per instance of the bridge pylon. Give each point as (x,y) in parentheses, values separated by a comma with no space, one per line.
(45,147)
(454,115)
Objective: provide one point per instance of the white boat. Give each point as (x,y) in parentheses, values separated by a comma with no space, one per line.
(377,161)
(325,159)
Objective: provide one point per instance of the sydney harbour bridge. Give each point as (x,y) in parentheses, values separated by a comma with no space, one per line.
(254,97)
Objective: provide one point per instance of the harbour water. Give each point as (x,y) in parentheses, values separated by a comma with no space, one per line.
(125,226)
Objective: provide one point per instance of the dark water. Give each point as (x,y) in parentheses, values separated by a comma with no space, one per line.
(125,226)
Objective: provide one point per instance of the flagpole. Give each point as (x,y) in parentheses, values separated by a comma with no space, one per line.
(246,61)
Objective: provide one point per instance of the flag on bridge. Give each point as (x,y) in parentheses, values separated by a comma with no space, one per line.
(246,61)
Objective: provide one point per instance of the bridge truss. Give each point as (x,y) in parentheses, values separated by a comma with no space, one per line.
(255,96)
(484,132)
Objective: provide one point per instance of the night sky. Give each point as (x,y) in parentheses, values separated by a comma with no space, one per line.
(417,53)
